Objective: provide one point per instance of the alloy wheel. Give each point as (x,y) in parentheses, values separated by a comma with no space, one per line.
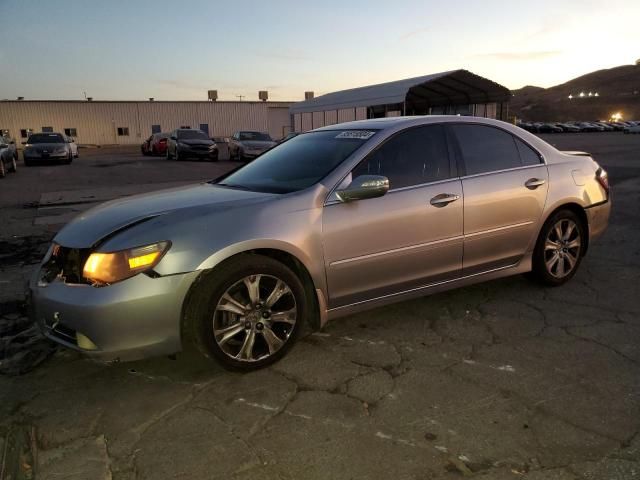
(562,248)
(254,318)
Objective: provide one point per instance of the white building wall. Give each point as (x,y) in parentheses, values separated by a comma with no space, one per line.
(97,122)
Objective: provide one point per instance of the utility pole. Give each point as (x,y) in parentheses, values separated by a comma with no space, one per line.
(240,97)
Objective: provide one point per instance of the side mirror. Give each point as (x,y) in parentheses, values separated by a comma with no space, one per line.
(364,186)
(173,137)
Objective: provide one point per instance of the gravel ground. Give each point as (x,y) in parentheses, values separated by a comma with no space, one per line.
(503,380)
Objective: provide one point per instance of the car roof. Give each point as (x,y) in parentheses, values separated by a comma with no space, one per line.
(395,122)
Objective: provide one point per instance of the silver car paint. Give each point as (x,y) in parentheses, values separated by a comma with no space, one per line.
(352,269)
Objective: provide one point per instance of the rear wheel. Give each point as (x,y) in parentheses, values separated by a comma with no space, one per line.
(14,164)
(559,248)
(248,313)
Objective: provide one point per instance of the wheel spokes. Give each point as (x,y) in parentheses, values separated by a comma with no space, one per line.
(571,260)
(551,245)
(574,243)
(273,341)
(246,351)
(227,333)
(253,287)
(569,230)
(278,291)
(552,261)
(558,230)
(231,305)
(288,316)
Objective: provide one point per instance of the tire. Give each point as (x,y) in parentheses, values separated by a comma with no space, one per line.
(69,159)
(14,164)
(176,155)
(241,157)
(213,158)
(242,342)
(559,249)
(168,154)
(3,171)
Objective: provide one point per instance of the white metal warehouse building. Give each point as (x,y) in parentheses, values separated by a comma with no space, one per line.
(130,122)
(456,92)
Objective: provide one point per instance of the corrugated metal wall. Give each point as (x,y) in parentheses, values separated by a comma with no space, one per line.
(98,122)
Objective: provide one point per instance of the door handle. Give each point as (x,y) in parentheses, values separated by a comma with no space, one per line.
(444,199)
(534,183)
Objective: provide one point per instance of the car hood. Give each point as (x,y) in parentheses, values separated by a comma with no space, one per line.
(195,141)
(257,143)
(94,225)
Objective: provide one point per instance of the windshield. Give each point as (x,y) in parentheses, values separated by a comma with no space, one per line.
(263,137)
(46,138)
(192,135)
(298,163)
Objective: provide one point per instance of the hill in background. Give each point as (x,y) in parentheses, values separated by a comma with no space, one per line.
(618,90)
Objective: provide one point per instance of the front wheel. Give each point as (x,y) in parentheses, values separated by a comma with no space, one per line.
(559,249)
(3,172)
(247,313)
(14,164)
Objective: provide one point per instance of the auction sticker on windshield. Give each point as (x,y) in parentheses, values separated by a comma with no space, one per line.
(357,134)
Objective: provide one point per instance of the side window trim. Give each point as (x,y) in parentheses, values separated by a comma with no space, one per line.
(462,168)
(452,161)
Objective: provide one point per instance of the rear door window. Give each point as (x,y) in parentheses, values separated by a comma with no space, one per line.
(528,156)
(412,157)
(486,149)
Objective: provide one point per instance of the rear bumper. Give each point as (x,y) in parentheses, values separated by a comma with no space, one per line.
(598,218)
(133,319)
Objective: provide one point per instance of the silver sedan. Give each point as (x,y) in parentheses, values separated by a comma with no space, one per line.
(334,221)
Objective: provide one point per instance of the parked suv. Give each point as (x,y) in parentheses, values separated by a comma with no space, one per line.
(186,143)
(8,155)
(244,145)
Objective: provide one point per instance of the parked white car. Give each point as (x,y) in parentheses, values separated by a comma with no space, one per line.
(632,129)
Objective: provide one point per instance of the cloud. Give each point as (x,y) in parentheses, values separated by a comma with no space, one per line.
(520,56)
(413,33)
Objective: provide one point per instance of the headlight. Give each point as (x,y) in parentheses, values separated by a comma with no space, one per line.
(116,266)
(213,147)
(60,150)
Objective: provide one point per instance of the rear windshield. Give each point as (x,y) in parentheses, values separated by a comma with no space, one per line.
(46,138)
(299,162)
(192,135)
(263,137)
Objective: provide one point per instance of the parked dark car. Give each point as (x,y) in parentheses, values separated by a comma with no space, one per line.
(48,147)
(8,155)
(156,144)
(568,127)
(549,128)
(244,145)
(186,143)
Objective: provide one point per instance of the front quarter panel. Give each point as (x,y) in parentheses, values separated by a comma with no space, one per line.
(202,239)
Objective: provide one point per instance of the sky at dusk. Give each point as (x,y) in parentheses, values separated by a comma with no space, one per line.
(177,50)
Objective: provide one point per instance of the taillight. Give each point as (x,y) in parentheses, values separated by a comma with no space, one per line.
(162,140)
(603,179)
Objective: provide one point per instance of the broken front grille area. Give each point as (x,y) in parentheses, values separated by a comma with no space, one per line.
(66,264)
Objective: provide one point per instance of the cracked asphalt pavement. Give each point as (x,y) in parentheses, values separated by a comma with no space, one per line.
(502,380)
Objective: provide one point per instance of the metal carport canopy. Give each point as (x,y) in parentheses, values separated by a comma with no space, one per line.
(453,87)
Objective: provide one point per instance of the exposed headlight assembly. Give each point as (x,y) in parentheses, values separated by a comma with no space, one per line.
(106,268)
